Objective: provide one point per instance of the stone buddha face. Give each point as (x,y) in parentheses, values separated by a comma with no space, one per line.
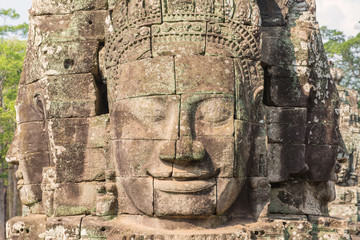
(29,148)
(184,89)
(183,100)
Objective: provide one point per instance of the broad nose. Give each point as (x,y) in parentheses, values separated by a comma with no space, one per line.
(187,149)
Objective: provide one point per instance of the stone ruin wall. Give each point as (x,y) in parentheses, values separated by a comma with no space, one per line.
(69,187)
(346,204)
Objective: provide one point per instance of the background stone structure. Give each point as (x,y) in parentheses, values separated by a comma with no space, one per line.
(78,116)
(347,190)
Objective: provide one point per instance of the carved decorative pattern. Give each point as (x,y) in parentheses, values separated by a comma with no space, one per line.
(180,22)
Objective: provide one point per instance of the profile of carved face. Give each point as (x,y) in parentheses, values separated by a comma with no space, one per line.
(184,101)
(29,148)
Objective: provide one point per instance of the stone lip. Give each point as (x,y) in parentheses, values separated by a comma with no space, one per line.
(191,186)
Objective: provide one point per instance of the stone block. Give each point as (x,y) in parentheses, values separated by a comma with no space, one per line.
(32,137)
(344,211)
(301,44)
(285,115)
(167,40)
(68,131)
(219,158)
(327,222)
(59,58)
(29,227)
(76,163)
(286,92)
(250,160)
(285,161)
(63,227)
(286,133)
(195,198)
(299,198)
(259,194)
(151,9)
(299,230)
(70,109)
(29,103)
(276,46)
(273,13)
(30,194)
(207,115)
(322,134)
(303,73)
(324,102)
(234,40)
(346,195)
(173,10)
(321,162)
(125,205)
(79,87)
(128,44)
(98,132)
(94,228)
(75,198)
(153,76)
(140,157)
(299,78)
(145,118)
(140,192)
(30,167)
(112,3)
(267,230)
(330,228)
(43,7)
(83,25)
(204,74)
(227,190)
(249,90)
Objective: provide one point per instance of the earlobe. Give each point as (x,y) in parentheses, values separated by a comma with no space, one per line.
(38,103)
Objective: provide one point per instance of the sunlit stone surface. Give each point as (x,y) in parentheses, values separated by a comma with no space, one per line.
(168,119)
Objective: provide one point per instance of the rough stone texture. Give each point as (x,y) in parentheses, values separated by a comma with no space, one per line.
(347,186)
(167,119)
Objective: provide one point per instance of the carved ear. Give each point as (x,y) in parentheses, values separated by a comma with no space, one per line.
(38,104)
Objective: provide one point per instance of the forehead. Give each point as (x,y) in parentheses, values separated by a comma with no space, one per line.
(168,75)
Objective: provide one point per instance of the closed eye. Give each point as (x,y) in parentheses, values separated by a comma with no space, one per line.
(215,110)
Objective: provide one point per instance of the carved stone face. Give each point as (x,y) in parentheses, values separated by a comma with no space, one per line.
(29,148)
(175,142)
(181,114)
(183,92)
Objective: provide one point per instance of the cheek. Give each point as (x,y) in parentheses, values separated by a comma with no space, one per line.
(31,166)
(139,157)
(146,118)
(228,189)
(221,152)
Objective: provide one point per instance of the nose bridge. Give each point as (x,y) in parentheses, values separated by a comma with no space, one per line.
(186,124)
(187,148)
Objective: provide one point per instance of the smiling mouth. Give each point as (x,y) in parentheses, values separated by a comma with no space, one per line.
(186,182)
(191,186)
